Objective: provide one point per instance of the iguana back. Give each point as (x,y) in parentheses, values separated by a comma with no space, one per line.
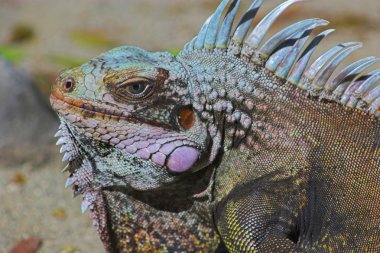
(236,144)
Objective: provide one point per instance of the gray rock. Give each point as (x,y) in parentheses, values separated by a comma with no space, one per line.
(27,124)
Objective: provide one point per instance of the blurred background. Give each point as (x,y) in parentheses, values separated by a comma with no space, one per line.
(38,38)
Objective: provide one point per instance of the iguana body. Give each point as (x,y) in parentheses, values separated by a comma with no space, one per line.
(236,144)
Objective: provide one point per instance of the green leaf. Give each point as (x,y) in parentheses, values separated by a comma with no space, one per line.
(11,53)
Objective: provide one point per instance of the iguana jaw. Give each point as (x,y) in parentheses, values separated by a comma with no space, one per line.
(178,157)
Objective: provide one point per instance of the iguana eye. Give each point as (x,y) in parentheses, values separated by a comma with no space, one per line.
(136,88)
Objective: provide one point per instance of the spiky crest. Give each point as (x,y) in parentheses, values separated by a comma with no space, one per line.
(282,54)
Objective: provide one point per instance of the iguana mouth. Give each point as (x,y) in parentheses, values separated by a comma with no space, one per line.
(89,110)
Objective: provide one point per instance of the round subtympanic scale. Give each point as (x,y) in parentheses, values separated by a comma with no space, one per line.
(186,117)
(182,159)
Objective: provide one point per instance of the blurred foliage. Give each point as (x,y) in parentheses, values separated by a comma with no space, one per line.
(21,33)
(66,61)
(92,39)
(174,52)
(11,53)
(69,249)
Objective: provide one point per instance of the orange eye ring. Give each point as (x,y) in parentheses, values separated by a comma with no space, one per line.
(186,117)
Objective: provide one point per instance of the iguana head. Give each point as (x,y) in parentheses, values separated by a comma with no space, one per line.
(130,110)
(136,149)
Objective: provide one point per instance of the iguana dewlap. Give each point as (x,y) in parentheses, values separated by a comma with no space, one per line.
(237,144)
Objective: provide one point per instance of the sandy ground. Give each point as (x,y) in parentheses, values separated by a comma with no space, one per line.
(33,201)
(42,207)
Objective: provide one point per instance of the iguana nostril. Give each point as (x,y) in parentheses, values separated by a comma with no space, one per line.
(68,85)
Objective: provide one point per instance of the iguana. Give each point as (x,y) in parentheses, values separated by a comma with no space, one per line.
(237,144)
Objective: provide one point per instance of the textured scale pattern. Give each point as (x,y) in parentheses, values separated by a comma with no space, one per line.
(238,144)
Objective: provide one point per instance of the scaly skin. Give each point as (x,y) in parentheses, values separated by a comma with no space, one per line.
(214,150)
(301,163)
(128,152)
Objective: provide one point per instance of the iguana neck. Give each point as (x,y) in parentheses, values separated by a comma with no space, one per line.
(252,117)
(167,220)
(269,125)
